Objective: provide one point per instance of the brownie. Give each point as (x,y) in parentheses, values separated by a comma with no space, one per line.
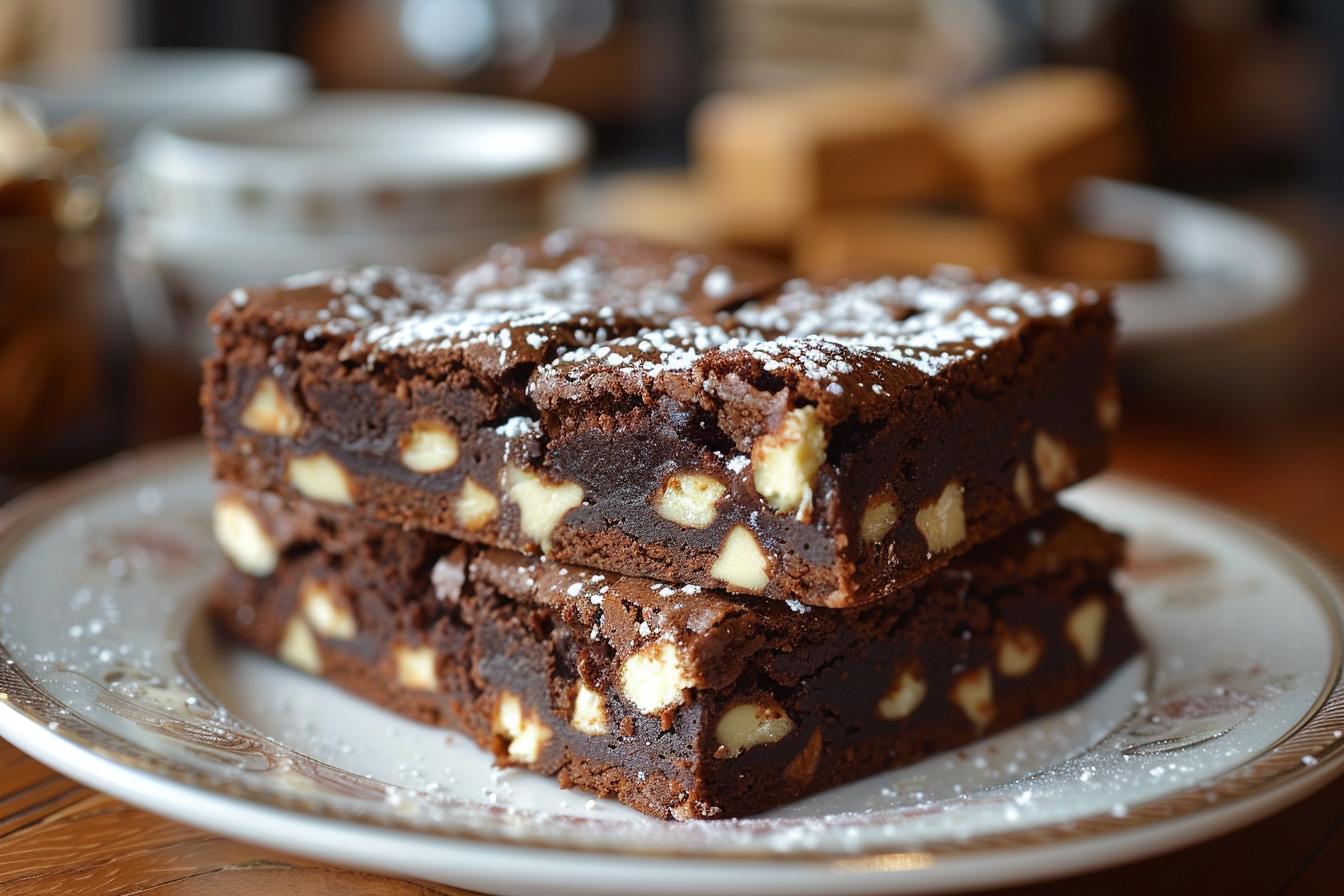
(820,443)
(679,701)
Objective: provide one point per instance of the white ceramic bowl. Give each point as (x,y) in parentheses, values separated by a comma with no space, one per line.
(362,163)
(349,179)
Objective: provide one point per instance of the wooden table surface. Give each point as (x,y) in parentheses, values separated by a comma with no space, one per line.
(1252,418)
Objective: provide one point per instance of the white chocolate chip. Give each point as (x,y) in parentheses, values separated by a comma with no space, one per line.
(329,616)
(906,693)
(429,447)
(541,504)
(525,732)
(750,724)
(943,523)
(741,564)
(1055,467)
(298,647)
(243,539)
(270,413)
(1022,486)
(654,678)
(1020,649)
(688,499)
(880,514)
(320,478)
(417,670)
(475,508)
(784,463)
(590,711)
(1085,627)
(974,692)
(1108,407)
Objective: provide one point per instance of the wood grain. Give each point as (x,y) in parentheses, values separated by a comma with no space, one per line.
(57,837)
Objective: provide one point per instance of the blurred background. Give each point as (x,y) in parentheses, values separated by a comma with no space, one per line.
(155,153)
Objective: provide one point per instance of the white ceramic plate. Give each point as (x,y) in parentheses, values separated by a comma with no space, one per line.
(1224,267)
(110,676)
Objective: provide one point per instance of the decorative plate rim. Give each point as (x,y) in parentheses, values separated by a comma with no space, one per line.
(1280,765)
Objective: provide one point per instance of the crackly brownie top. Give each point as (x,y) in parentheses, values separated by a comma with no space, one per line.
(592,316)
(848,348)
(511,306)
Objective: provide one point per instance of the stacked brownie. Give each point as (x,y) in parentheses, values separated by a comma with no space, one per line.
(663,526)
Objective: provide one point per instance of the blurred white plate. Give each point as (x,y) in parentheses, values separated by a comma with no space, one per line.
(109,675)
(131,87)
(1224,267)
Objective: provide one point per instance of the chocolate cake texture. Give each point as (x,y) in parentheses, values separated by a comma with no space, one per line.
(680,701)
(680,416)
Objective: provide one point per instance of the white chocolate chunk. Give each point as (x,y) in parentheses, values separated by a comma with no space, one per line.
(1020,649)
(416,667)
(906,693)
(320,478)
(475,508)
(1022,486)
(750,724)
(243,539)
(324,611)
(974,692)
(590,711)
(298,647)
(742,565)
(270,413)
(688,499)
(541,504)
(784,463)
(525,733)
(429,447)
(1085,628)
(1055,467)
(880,514)
(943,523)
(654,678)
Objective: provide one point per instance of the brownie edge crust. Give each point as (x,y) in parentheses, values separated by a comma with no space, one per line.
(680,702)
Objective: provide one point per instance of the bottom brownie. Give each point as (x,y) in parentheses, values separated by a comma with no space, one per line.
(678,701)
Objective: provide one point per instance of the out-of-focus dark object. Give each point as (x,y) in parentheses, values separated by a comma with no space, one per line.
(510,45)
(1229,90)
(632,68)
(56,399)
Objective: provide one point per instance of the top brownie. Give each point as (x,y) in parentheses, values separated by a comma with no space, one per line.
(656,412)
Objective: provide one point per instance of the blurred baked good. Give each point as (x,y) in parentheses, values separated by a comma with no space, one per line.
(769,158)
(1026,140)
(1079,255)
(669,205)
(906,241)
